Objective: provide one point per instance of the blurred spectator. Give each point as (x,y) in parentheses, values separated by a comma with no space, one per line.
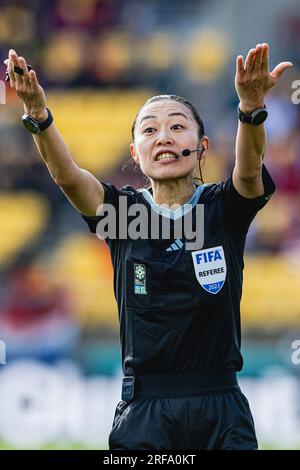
(36,318)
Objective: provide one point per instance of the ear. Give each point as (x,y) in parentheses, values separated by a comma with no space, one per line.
(204,143)
(133,153)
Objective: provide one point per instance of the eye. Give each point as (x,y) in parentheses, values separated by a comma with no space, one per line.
(178,125)
(147,129)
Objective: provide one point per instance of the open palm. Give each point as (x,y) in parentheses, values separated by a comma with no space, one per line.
(253,79)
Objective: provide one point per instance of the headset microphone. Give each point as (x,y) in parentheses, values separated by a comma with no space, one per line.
(187,152)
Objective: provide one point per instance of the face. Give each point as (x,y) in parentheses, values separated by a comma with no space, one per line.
(163,130)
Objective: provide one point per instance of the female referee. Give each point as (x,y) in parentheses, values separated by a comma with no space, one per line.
(179,309)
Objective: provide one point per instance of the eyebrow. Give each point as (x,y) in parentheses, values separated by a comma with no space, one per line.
(171,114)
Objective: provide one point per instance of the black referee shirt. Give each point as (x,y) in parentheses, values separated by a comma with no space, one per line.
(179,309)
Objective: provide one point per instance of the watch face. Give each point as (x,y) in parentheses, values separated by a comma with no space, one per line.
(30,124)
(260,117)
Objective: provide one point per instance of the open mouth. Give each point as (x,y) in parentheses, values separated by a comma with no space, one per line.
(167,156)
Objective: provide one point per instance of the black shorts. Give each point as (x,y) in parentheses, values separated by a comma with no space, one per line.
(214,421)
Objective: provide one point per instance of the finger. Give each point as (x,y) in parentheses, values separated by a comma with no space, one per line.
(23,65)
(279,69)
(18,79)
(265,58)
(258,58)
(10,69)
(25,75)
(240,68)
(33,81)
(17,68)
(249,60)
(12,55)
(15,63)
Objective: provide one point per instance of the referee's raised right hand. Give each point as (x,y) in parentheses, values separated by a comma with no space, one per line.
(27,87)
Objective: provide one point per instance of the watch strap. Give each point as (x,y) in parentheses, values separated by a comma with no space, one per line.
(258,116)
(45,124)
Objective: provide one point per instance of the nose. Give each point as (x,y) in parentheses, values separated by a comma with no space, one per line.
(164,138)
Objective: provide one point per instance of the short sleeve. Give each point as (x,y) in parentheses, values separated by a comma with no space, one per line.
(111,196)
(239,210)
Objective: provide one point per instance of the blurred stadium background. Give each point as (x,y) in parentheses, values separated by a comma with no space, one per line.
(98,60)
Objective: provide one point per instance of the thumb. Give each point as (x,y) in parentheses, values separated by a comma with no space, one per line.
(279,69)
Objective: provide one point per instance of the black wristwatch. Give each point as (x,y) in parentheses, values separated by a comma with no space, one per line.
(35,127)
(256,118)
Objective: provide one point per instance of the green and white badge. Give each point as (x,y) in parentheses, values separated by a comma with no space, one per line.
(140,279)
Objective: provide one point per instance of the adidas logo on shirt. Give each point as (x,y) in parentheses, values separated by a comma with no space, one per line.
(175,246)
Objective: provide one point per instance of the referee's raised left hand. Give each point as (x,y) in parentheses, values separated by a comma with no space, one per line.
(253,79)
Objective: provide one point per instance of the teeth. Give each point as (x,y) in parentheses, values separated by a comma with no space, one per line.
(167,156)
